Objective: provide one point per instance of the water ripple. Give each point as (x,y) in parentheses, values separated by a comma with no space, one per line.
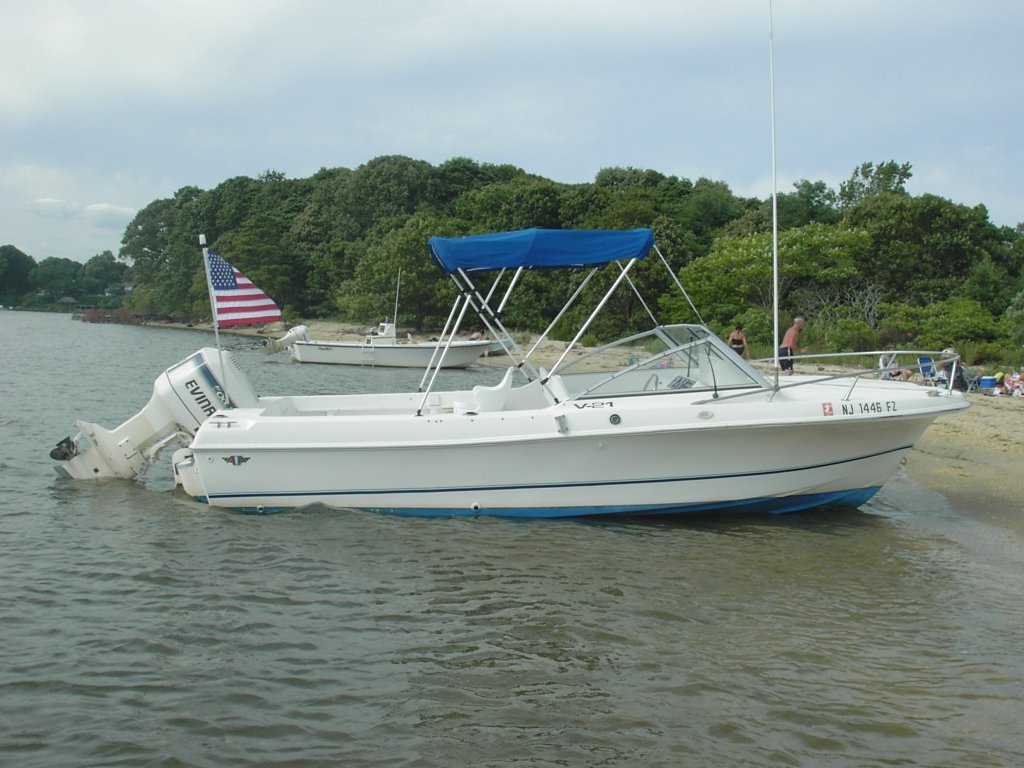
(142,629)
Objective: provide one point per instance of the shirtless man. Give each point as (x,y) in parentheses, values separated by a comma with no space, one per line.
(789,346)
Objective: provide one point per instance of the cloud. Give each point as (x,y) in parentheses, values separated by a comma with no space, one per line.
(109,216)
(127,101)
(54,208)
(103,215)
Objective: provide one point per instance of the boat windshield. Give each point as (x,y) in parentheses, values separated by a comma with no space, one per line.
(664,359)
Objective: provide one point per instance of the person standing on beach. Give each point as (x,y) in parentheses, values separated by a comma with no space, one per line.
(738,341)
(790,345)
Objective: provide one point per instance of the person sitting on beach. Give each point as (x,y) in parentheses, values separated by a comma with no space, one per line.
(887,363)
(1003,384)
(948,365)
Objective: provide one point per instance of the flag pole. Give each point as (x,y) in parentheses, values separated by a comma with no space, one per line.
(213,311)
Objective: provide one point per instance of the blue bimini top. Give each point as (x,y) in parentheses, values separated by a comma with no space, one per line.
(539,249)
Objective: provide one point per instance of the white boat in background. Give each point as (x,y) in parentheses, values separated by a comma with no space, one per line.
(380,347)
(661,422)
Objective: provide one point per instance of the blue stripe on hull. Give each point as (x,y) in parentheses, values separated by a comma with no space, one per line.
(767,505)
(775,506)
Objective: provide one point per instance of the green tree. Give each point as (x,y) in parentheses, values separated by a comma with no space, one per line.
(387,187)
(322,233)
(161,245)
(868,179)
(425,294)
(332,243)
(814,261)
(623,179)
(57,277)
(582,206)
(636,207)
(232,202)
(15,273)
(990,284)
(950,322)
(810,203)
(459,175)
(709,207)
(924,246)
(1014,320)
(254,248)
(103,273)
(521,203)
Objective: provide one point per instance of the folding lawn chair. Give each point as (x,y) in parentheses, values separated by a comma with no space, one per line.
(929,375)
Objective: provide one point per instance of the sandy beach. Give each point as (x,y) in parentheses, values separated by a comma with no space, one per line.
(974,458)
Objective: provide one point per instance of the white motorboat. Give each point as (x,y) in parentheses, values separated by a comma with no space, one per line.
(381,347)
(666,421)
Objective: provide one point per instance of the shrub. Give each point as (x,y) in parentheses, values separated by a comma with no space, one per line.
(1014,319)
(953,322)
(847,335)
(992,354)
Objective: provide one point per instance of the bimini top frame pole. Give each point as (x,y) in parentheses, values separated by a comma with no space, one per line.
(563,310)
(491,318)
(448,343)
(679,285)
(444,333)
(623,274)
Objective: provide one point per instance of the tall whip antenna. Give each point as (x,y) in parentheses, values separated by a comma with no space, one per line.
(775,199)
(398,288)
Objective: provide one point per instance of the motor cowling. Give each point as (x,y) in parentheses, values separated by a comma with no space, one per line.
(298,333)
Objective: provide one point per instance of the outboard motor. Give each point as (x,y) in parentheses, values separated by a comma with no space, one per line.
(184,396)
(298,333)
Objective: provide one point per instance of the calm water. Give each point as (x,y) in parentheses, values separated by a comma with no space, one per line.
(140,628)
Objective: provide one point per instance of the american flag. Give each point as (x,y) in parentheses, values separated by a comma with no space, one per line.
(237,301)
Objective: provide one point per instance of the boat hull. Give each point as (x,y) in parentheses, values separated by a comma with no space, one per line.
(568,460)
(460,354)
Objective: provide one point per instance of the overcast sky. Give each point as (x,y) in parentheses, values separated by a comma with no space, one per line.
(108,105)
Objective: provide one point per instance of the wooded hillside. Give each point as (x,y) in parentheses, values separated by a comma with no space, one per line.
(868,264)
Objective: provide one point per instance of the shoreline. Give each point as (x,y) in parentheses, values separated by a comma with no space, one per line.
(972,458)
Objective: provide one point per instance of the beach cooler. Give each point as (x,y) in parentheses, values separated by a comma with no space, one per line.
(987,382)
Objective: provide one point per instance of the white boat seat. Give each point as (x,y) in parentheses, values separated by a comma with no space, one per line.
(555,389)
(493,398)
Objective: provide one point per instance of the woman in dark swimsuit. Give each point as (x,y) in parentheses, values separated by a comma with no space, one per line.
(738,341)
